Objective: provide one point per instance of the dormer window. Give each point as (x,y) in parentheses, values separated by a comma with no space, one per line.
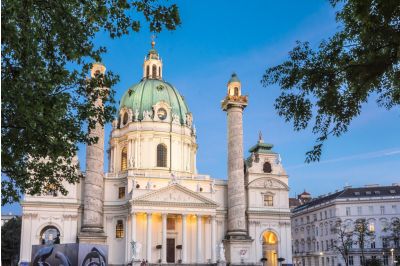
(368,193)
(161,155)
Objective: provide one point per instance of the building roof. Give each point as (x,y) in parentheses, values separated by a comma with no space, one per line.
(261,147)
(348,192)
(148,92)
(234,78)
(293,202)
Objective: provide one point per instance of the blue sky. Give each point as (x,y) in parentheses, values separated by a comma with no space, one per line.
(219,37)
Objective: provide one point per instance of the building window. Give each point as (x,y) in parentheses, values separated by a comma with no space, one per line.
(236,91)
(359,210)
(385,260)
(382,209)
(125,118)
(394,209)
(50,235)
(268,200)
(161,155)
(170,223)
(154,71)
(351,260)
(121,192)
(267,167)
(315,217)
(373,244)
(124,159)
(119,229)
(148,71)
(348,212)
(371,209)
(372,227)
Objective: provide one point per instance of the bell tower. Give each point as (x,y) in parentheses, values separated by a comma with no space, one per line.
(152,66)
(237,239)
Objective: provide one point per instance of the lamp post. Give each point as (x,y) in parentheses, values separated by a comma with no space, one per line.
(391,251)
(322,259)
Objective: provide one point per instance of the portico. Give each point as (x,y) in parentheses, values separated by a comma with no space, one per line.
(174,225)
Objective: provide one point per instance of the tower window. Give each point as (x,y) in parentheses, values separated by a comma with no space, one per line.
(148,71)
(267,167)
(125,119)
(161,155)
(159,71)
(154,72)
(121,192)
(119,229)
(268,200)
(236,91)
(124,159)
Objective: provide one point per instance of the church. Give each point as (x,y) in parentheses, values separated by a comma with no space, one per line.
(152,205)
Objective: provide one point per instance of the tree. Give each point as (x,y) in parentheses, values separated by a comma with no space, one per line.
(362,235)
(328,85)
(10,241)
(47,101)
(344,240)
(373,262)
(394,232)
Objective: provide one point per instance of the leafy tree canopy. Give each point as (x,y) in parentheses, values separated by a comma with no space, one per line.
(10,240)
(47,101)
(328,85)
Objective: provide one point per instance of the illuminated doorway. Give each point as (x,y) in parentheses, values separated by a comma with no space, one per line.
(270,248)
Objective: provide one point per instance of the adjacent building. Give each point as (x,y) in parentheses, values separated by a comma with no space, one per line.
(313,223)
(152,194)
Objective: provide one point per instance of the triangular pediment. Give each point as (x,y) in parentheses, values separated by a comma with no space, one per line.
(175,194)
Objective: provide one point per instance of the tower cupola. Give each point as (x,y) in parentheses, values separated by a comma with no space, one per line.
(234,86)
(152,66)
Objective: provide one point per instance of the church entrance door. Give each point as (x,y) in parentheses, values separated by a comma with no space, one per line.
(171,250)
(270,248)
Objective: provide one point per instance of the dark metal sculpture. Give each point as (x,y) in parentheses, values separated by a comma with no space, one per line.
(94,258)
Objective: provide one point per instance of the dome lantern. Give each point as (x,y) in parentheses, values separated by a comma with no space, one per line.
(152,66)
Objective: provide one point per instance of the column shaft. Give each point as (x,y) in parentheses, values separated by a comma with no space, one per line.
(164,239)
(149,240)
(184,240)
(199,244)
(213,240)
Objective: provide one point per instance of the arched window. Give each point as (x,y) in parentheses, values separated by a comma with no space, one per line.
(148,71)
(119,229)
(124,159)
(159,71)
(236,91)
(161,155)
(49,235)
(154,72)
(267,167)
(125,119)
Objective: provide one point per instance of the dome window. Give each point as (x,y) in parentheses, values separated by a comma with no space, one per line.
(161,155)
(124,159)
(125,118)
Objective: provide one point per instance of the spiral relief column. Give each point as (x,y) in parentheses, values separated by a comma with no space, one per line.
(92,223)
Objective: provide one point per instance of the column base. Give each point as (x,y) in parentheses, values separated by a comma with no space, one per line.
(237,248)
(92,238)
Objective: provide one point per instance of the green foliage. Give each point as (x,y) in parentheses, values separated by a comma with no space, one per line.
(394,230)
(344,240)
(10,240)
(362,235)
(328,85)
(47,100)
(373,262)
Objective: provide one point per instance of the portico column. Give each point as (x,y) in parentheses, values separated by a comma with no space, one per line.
(133,226)
(164,238)
(213,242)
(199,251)
(184,241)
(149,240)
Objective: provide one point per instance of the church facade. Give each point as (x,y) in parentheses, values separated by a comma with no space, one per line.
(153,199)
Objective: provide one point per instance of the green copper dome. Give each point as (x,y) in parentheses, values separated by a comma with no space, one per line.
(148,92)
